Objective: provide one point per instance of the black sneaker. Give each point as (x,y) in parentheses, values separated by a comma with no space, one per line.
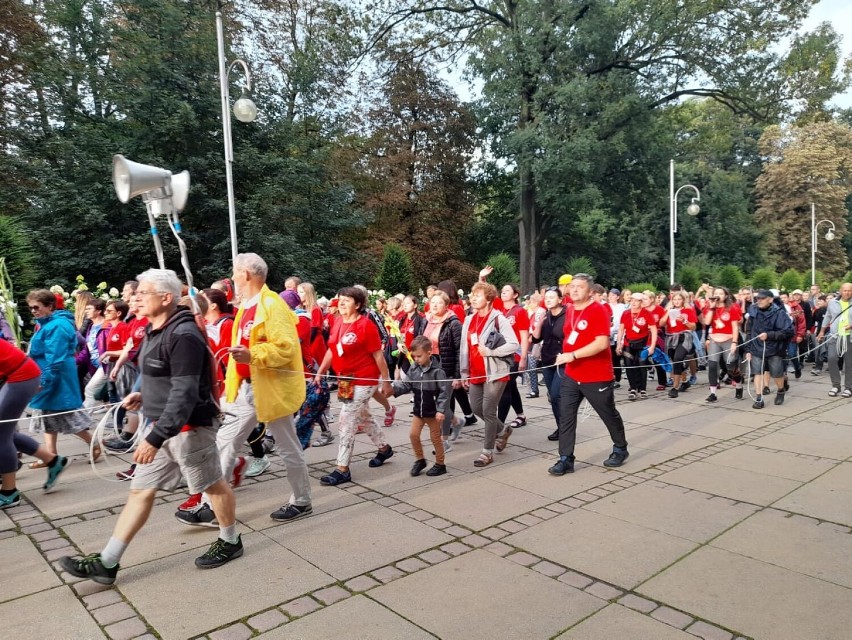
(290,512)
(738,393)
(469,420)
(553,437)
(673,393)
(561,467)
(797,374)
(119,445)
(616,458)
(417,467)
(219,553)
(786,386)
(437,470)
(711,398)
(684,386)
(201,517)
(758,404)
(335,478)
(779,397)
(380,458)
(766,391)
(89,567)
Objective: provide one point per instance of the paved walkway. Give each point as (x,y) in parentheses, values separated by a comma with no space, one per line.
(726,522)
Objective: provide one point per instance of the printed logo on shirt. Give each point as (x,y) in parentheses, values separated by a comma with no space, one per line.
(139,333)
(641,322)
(349,338)
(582,325)
(726,316)
(246,333)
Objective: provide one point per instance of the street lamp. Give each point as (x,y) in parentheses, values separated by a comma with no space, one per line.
(829,235)
(244,110)
(693,209)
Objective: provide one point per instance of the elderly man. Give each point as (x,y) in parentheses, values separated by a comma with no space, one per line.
(838,320)
(264,383)
(176,393)
(769,330)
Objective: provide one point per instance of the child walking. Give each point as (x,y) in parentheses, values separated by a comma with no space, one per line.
(432,390)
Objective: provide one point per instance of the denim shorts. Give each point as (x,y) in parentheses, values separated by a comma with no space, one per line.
(773,364)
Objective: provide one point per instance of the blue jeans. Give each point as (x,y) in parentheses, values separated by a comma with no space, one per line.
(553,382)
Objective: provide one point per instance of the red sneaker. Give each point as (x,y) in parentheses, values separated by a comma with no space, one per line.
(239,468)
(191,503)
(389,416)
(126,475)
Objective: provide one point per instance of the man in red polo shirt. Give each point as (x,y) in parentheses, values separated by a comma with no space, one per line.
(588,374)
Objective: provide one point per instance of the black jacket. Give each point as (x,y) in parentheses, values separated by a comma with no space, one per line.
(552,337)
(775,323)
(176,377)
(431,389)
(449,343)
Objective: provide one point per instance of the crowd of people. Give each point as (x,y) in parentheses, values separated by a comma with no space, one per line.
(193,376)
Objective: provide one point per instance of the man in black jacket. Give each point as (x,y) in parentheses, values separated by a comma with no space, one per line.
(176,393)
(769,332)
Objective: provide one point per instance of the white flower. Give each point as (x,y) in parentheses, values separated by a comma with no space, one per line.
(461,292)
(113,292)
(102,285)
(82,287)
(56,289)
(12,305)
(381,292)
(105,297)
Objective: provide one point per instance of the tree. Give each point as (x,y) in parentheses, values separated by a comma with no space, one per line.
(731,277)
(689,278)
(395,273)
(764,279)
(505,270)
(791,280)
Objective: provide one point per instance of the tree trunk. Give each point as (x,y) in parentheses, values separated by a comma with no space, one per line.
(528,231)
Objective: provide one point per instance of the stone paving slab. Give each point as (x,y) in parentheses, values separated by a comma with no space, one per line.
(737,484)
(356,539)
(815,439)
(674,510)
(828,497)
(79,497)
(616,551)
(665,441)
(181,601)
(782,464)
(712,425)
(597,450)
(483,600)
(5,522)
(615,621)
(755,598)
(23,570)
(55,613)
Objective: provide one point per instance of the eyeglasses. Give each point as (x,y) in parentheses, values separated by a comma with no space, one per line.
(147,293)
(552,290)
(35,307)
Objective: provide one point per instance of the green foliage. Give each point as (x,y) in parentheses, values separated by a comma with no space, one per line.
(19,255)
(640,287)
(505,270)
(790,280)
(395,273)
(689,277)
(820,278)
(764,279)
(731,277)
(581,264)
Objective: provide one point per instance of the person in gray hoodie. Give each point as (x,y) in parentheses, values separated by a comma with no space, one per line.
(838,321)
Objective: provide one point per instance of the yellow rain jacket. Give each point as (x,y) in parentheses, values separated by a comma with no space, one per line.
(277,374)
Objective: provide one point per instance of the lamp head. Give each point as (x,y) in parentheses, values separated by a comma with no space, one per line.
(693,209)
(245,109)
(829,235)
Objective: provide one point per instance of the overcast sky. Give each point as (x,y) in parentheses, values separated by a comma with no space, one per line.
(839,14)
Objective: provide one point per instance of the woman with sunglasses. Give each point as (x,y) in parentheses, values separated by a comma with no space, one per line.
(57,406)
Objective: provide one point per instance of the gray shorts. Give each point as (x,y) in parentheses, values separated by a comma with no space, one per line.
(773,364)
(190,454)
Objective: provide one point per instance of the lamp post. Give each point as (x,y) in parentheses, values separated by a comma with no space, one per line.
(693,209)
(829,235)
(244,110)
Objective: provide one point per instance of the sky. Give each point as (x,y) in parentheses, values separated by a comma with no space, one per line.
(839,14)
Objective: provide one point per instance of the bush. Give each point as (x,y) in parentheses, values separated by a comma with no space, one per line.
(505,270)
(820,278)
(763,279)
(790,280)
(581,264)
(639,287)
(731,278)
(21,258)
(395,274)
(689,277)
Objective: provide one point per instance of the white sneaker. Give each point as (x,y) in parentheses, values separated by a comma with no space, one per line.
(448,446)
(257,466)
(324,438)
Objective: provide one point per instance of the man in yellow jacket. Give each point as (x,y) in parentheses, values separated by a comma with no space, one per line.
(264,382)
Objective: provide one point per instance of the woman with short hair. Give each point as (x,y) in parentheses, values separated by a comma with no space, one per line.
(636,332)
(679,320)
(722,317)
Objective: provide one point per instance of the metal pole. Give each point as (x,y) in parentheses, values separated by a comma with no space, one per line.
(813,244)
(672,222)
(226,135)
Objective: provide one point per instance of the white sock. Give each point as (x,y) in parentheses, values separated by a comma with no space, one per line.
(229,534)
(111,555)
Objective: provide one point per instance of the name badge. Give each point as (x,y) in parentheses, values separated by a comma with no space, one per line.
(635,329)
(572,337)
(474,339)
(339,349)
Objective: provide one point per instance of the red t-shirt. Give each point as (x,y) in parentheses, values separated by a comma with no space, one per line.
(407,329)
(687,315)
(520,321)
(581,328)
(136,333)
(638,327)
(15,366)
(244,335)
(458,309)
(303,330)
(219,336)
(352,346)
(118,336)
(318,343)
(475,359)
(722,320)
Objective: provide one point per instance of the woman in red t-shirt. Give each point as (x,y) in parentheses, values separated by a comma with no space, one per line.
(21,377)
(722,318)
(411,324)
(355,352)
(679,321)
(636,330)
(308,296)
(219,322)
(520,321)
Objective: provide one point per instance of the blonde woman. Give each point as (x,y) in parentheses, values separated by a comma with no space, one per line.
(308,296)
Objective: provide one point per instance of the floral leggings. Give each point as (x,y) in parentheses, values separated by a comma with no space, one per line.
(355,413)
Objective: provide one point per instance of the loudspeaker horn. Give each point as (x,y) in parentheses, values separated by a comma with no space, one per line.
(180,190)
(132,179)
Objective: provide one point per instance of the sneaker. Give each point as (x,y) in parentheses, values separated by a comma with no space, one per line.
(126,475)
(219,553)
(54,472)
(531,395)
(616,458)
(290,512)
(448,446)
(437,470)
(738,393)
(119,445)
(711,398)
(643,395)
(834,391)
(458,423)
(553,437)
(269,445)
(257,466)
(380,458)
(672,393)
(324,438)
(389,416)
(417,467)
(669,382)
(684,386)
(816,372)
(651,374)
(7,502)
(469,420)
(797,374)
(201,517)
(631,395)
(191,503)
(693,380)
(758,404)
(766,391)
(779,397)
(847,393)
(336,477)
(89,567)
(561,467)
(616,385)
(239,470)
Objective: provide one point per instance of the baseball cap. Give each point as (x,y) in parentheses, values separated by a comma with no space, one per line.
(795,291)
(291,298)
(333,303)
(764,293)
(615,291)
(565,278)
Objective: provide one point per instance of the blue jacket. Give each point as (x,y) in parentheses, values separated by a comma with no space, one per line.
(53,347)
(775,323)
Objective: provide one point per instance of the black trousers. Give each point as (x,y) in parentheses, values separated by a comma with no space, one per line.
(601,396)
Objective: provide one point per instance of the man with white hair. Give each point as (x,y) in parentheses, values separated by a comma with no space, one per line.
(838,322)
(265,383)
(177,395)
